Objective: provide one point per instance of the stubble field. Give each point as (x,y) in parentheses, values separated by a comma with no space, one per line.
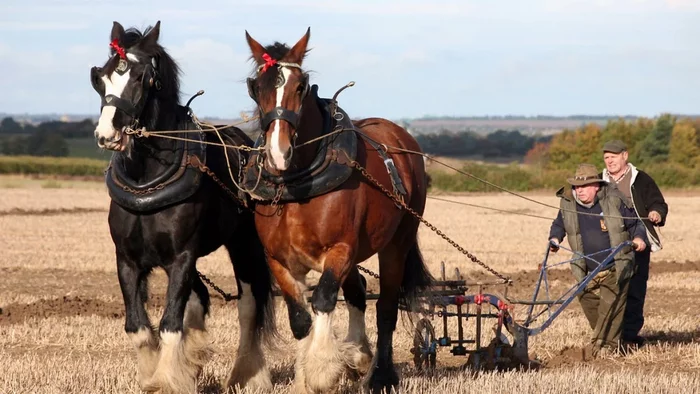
(61,319)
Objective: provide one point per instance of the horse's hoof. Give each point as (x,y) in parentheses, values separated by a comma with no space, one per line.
(384,382)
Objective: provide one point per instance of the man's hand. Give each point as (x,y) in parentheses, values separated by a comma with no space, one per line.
(553,245)
(654,217)
(639,245)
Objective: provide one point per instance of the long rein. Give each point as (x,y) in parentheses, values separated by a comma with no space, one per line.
(388,149)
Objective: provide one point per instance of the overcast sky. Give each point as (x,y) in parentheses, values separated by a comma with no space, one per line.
(408,58)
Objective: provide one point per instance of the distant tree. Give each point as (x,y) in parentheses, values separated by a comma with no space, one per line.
(82,129)
(684,149)
(570,148)
(14,145)
(43,143)
(655,146)
(588,144)
(502,143)
(640,129)
(9,126)
(538,155)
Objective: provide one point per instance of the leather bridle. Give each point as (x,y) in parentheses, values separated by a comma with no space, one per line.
(278,113)
(150,79)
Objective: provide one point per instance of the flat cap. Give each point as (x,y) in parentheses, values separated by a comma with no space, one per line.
(614,146)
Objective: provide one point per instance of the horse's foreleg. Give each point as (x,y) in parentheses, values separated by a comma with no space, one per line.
(325,357)
(354,290)
(185,347)
(134,286)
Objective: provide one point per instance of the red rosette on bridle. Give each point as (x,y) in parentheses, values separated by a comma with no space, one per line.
(269,62)
(120,50)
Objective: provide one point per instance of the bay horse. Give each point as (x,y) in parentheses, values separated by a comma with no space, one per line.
(166,213)
(333,232)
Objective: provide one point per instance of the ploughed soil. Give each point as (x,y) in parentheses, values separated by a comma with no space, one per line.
(62,293)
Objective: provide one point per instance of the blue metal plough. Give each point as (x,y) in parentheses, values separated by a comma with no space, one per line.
(499,352)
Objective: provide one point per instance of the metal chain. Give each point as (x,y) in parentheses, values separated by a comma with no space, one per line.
(399,201)
(205,169)
(143,192)
(227,297)
(369,272)
(278,195)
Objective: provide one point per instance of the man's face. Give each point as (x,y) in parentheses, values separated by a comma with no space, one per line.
(615,162)
(587,193)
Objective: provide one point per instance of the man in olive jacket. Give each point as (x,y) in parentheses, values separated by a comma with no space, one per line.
(649,204)
(595,218)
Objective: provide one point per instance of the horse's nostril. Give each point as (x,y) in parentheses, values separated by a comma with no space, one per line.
(288,154)
(101,140)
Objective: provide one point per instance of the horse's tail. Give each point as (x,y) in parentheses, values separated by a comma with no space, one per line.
(416,277)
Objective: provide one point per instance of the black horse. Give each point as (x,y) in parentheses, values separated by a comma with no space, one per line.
(166,212)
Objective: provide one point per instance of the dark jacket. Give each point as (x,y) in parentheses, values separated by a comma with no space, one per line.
(646,197)
(610,202)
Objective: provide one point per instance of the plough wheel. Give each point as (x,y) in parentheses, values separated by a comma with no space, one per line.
(424,345)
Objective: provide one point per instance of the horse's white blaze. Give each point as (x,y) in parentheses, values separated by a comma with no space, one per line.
(114,85)
(275,149)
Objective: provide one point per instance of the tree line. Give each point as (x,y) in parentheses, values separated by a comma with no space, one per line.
(50,139)
(499,144)
(668,147)
(45,139)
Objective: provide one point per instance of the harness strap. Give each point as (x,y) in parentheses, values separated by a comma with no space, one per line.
(388,163)
(279,113)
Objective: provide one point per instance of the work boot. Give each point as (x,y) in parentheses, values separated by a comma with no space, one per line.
(638,340)
(590,352)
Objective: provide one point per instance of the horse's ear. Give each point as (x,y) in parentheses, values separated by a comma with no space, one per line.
(117,31)
(151,38)
(256,49)
(298,51)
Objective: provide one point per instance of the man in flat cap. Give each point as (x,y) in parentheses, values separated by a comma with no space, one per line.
(594,218)
(649,205)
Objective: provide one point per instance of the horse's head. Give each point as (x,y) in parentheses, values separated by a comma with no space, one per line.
(125,83)
(279,88)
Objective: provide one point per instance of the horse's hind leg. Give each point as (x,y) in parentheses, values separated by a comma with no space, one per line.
(354,291)
(197,307)
(402,274)
(383,375)
(183,352)
(255,312)
(134,286)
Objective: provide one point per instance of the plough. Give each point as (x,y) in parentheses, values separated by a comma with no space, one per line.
(455,298)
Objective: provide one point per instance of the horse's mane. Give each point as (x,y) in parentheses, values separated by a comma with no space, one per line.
(168,70)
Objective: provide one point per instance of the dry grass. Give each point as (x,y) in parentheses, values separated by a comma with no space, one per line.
(61,327)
